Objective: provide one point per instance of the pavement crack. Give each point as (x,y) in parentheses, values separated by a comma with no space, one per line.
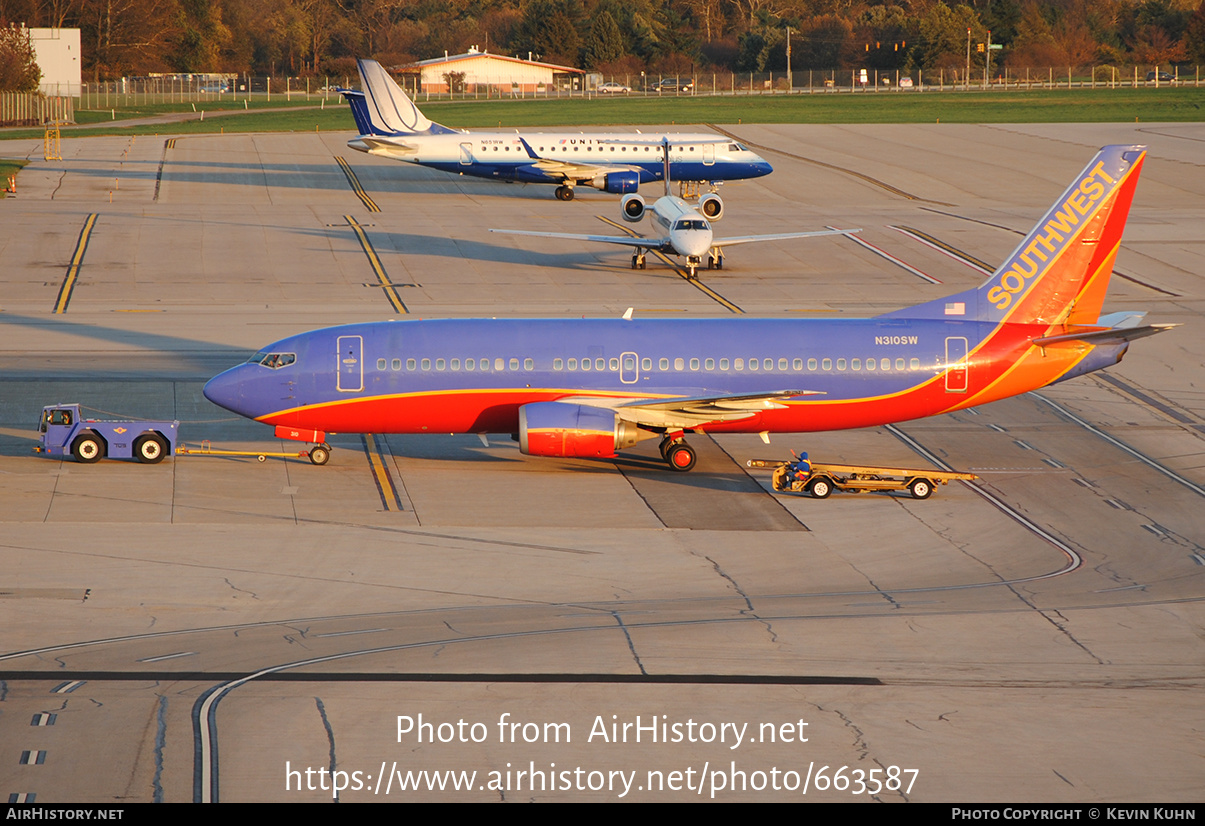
(631,645)
(240,590)
(749,610)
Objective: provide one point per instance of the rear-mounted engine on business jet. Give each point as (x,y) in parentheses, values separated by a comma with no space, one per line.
(712,206)
(632,207)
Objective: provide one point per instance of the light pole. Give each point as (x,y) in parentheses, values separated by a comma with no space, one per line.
(790,78)
(987,62)
(966,79)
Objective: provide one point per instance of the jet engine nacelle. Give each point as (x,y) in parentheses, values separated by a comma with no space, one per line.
(559,429)
(711,206)
(632,208)
(617,183)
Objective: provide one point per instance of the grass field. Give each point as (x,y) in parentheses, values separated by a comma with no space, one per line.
(1034,106)
(9,167)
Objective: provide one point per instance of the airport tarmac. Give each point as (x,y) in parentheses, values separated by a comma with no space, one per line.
(217,628)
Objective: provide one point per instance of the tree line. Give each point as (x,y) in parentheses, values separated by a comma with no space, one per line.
(617,37)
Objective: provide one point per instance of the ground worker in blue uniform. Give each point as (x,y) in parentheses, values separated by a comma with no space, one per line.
(793,475)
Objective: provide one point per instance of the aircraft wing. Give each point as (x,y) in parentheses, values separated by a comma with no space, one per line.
(643,243)
(693,411)
(572,170)
(782,236)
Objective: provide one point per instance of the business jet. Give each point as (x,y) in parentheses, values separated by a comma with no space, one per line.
(683,229)
(391,126)
(591,387)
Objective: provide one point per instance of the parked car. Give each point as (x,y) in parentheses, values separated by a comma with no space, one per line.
(1162,77)
(674,84)
(905,83)
(613,88)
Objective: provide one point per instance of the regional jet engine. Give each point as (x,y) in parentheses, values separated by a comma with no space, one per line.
(617,182)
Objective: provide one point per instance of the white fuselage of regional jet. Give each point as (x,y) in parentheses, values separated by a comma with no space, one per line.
(503,156)
(392,126)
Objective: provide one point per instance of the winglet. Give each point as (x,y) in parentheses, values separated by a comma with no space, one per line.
(627,316)
(531,153)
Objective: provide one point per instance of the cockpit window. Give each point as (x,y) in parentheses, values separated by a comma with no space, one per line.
(690,224)
(273,361)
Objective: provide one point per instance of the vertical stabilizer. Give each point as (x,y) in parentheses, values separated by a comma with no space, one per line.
(389,109)
(1059,274)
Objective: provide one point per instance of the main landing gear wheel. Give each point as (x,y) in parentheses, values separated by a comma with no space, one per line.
(921,488)
(87,449)
(320,454)
(564,193)
(149,449)
(638,262)
(680,456)
(820,489)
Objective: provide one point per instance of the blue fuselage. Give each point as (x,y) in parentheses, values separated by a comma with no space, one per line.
(472,375)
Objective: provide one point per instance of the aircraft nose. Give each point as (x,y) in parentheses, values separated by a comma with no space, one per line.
(762,168)
(226,390)
(694,243)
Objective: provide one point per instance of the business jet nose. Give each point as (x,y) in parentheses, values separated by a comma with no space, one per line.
(694,243)
(226,390)
(761,168)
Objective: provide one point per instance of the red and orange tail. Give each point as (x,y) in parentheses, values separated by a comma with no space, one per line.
(1060,273)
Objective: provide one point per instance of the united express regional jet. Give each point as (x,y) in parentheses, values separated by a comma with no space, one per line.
(590,387)
(393,127)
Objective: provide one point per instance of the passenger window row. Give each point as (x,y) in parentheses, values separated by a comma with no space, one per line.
(680,364)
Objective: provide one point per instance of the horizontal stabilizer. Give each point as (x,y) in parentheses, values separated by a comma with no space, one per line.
(389,147)
(1105,335)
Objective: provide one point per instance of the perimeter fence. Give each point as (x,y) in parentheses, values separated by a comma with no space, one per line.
(36,109)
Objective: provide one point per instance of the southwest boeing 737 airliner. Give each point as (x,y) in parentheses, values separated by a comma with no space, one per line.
(590,387)
(393,127)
